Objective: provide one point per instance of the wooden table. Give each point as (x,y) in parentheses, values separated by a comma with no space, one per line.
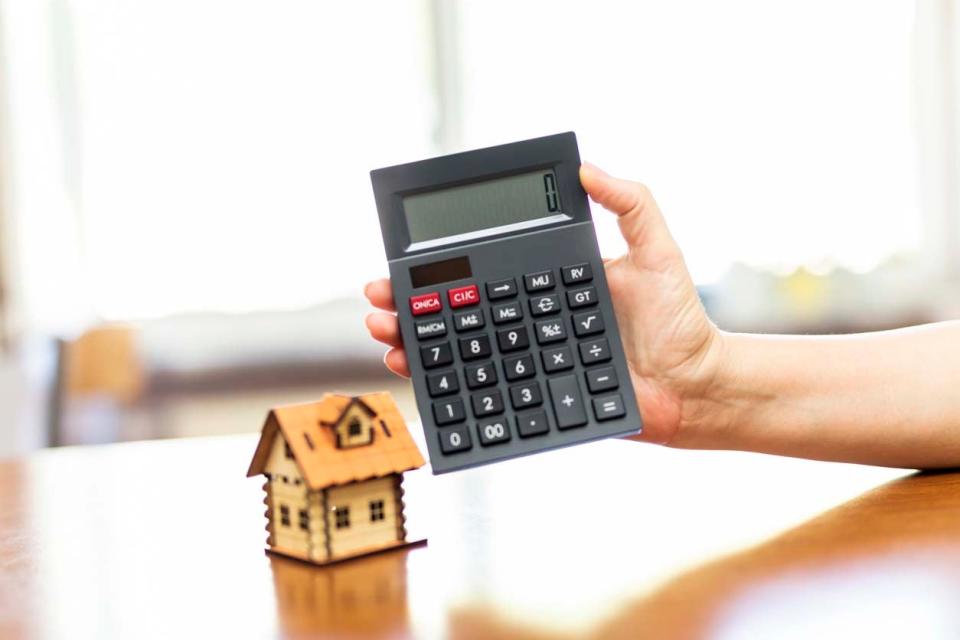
(615,539)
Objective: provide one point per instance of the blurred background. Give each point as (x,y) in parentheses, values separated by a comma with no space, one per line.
(186,218)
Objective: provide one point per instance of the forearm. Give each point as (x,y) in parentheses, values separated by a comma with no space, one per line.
(888,398)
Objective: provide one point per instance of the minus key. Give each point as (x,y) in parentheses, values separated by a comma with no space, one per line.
(603,379)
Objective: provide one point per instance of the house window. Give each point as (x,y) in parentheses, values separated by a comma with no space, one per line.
(285,515)
(354,427)
(376,510)
(343,517)
(304,520)
(287,451)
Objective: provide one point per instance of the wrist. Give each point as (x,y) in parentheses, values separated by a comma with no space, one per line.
(710,404)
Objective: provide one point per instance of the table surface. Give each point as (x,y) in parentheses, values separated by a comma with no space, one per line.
(612,539)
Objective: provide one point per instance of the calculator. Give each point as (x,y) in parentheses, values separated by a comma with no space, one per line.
(503,304)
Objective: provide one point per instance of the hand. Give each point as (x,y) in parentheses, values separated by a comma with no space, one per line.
(672,348)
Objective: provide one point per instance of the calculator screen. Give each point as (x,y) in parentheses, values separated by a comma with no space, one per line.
(515,201)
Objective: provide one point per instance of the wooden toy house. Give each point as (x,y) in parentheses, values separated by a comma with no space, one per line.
(333,473)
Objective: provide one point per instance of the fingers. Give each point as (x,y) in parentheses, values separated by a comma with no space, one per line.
(380,294)
(384,328)
(396,361)
(641,222)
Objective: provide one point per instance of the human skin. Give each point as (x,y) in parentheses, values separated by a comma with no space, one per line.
(887,398)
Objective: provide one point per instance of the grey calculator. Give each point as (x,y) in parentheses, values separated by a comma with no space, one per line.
(503,304)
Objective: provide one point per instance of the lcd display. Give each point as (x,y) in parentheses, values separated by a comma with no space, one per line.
(481,206)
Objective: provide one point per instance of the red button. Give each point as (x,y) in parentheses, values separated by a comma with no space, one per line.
(427,303)
(464,296)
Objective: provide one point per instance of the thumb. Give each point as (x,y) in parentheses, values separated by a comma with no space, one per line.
(639,217)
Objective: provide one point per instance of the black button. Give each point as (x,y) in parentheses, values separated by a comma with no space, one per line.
(602,379)
(609,407)
(481,375)
(526,395)
(538,281)
(506,288)
(532,424)
(467,320)
(442,383)
(587,323)
(557,359)
(509,312)
(474,347)
(436,355)
(493,431)
(576,273)
(586,297)
(567,402)
(595,351)
(454,439)
(449,411)
(544,305)
(487,404)
(551,331)
(513,339)
(436,328)
(519,367)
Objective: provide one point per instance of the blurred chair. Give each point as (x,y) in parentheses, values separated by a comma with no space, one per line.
(102,366)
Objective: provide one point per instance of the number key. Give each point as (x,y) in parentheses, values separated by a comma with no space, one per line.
(487,404)
(493,431)
(525,395)
(455,439)
(449,411)
(442,383)
(519,367)
(475,347)
(481,375)
(436,355)
(513,339)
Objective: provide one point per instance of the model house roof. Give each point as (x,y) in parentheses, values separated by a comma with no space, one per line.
(308,430)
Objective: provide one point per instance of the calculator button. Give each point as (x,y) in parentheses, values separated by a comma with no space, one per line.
(464,296)
(532,424)
(442,383)
(467,320)
(557,359)
(427,303)
(498,289)
(567,402)
(587,323)
(487,404)
(436,355)
(609,407)
(475,347)
(550,331)
(526,395)
(602,379)
(544,305)
(578,298)
(449,411)
(595,351)
(538,281)
(431,328)
(455,439)
(513,339)
(481,375)
(576,273)
(493,431)
(519,367)
(510,312)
